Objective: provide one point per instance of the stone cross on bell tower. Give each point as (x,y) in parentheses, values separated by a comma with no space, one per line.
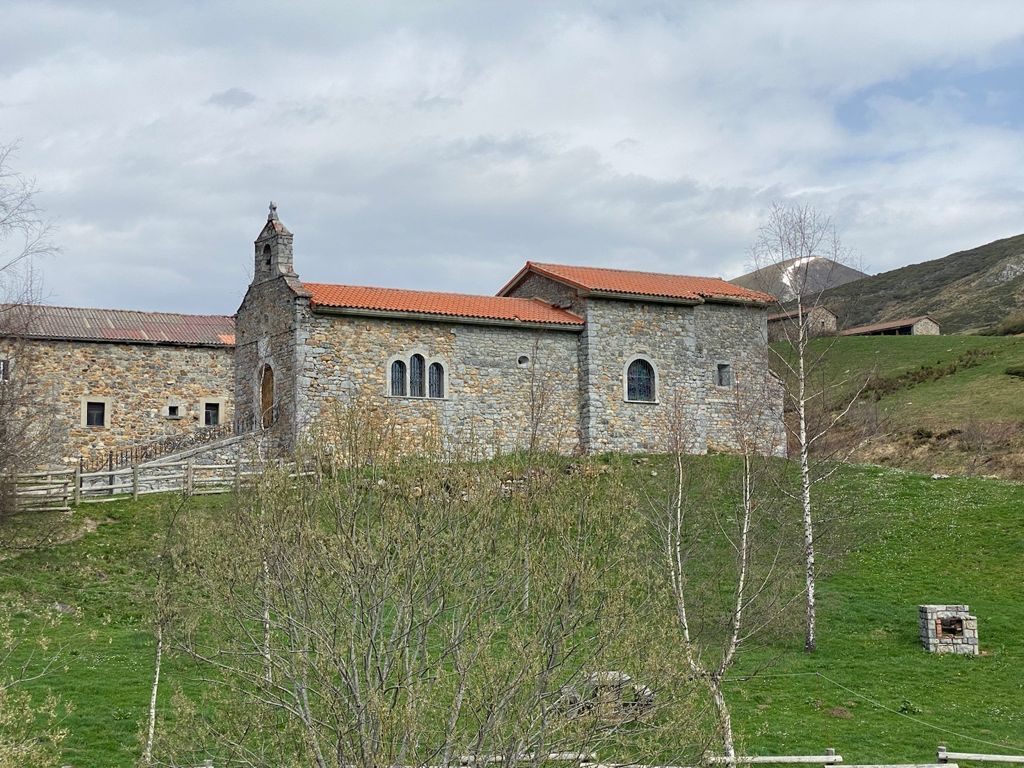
(273,249)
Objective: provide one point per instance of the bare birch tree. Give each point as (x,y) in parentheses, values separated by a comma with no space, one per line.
(746,543)
(803,246)
(26,437)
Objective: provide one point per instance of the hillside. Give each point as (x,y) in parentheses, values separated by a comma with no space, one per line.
(870,691)
(939,403)
(817,274)
(966,292)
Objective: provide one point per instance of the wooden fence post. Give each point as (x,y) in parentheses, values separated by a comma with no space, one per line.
(941,757)
(238,472)
(78,482)
(135,482)
(110,469)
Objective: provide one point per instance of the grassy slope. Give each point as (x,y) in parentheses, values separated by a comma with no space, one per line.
(107,648)
(958,290)
(920,531)
(984,391)
(912,533)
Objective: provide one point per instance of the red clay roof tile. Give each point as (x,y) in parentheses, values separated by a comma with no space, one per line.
(642,283)
(433,303)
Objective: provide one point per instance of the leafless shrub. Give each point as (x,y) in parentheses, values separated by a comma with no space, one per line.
(375,615)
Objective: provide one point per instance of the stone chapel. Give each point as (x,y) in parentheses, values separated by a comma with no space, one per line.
(563,358)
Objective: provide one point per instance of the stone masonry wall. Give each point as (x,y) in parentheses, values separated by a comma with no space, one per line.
(926,327)
(491,399)
(138,381)
(936,640)
(684,344)
(267,328)
(536,286)
(820,323)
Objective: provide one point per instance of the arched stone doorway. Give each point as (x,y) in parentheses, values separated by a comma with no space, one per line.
(267,396)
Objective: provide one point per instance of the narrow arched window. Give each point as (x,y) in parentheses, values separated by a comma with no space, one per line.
(417,376)
(640,381)
(398,378)
(435,380)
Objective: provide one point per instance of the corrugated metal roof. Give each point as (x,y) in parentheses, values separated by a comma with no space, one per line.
(119,325)
(625,281)
(888,325)
(433,303)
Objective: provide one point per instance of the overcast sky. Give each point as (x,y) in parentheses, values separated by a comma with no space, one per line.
(439,145)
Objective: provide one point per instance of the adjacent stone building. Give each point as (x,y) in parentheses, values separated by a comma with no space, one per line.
(564,358)
(820,321)
(908,326)
(110,379)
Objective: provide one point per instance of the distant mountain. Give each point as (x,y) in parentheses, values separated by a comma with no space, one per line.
(818,273)
(966,292)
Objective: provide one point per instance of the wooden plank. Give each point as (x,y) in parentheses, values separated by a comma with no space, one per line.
(945,756)
(108,473)
(52,473)
(781,759)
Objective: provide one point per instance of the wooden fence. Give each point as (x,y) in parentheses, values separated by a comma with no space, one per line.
(58,490)
(827,760)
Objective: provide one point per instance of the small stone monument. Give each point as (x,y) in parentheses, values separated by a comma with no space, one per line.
(948,629)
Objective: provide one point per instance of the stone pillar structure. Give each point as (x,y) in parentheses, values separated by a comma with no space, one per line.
(948,629)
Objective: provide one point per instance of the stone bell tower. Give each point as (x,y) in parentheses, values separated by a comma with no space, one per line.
(273,250)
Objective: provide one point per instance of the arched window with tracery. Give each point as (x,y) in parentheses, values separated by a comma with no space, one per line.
(417,376)
(640,381)
(398,378)
(435,380)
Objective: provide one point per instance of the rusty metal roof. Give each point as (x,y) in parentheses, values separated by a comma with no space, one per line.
(888,325)
(117,325)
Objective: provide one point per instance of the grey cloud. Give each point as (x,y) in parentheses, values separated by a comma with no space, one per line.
(232,98)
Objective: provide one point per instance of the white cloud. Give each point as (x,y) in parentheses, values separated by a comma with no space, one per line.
(440,145)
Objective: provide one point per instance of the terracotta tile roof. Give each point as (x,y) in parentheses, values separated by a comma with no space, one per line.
(445,304)
(119,325)
(624,281)
(888,325)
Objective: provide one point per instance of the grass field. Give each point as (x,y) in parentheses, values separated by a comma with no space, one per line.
(944,403)
(982,390)
(870,691)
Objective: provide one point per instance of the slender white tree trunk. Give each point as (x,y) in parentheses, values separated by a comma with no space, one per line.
(148,756)
(810,639)
(724,721)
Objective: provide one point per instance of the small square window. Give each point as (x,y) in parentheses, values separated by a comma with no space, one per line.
(172,412)
(5,370)
(211,414)
(723,375)
(95,414)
